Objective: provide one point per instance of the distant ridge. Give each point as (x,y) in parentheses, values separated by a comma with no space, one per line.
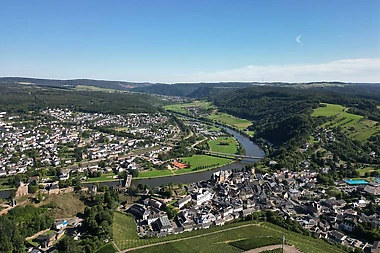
(192,90)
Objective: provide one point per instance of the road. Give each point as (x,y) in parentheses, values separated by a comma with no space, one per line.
(187,238)
(287,249)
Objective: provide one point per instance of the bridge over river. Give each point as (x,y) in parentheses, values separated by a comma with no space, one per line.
(220,154)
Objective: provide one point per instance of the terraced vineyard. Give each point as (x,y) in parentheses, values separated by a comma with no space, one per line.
(354,126)
(216,239)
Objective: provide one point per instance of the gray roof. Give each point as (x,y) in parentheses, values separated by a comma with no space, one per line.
(165,222)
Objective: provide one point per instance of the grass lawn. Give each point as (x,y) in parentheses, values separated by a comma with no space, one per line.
(103,177)
(4,184)
(329,110)
(67,205)
(155,173)
(201,160)
(217,145)
(108,248)
(254,235)
(354,126)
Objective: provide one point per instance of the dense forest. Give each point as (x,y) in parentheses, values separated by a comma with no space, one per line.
(20,223)
(23,98)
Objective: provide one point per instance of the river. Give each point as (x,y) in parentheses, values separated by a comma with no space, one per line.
(251,149)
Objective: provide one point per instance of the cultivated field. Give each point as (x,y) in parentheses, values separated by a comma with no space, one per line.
(108,248)
(223,118)
(181,108)
(227,145)
(93,88)
(216,239)
(355,126)
(227,119)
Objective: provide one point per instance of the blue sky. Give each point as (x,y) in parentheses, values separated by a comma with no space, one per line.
(190,41)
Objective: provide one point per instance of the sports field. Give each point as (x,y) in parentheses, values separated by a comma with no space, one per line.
(227,145)
(202,162)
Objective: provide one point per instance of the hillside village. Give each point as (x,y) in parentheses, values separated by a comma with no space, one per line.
(81,146)
(229,196)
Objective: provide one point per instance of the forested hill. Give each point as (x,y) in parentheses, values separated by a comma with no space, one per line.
(193,90)
(69,84)
(23,98)
(283,115)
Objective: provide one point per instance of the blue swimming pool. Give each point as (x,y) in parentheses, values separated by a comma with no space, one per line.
(356,181)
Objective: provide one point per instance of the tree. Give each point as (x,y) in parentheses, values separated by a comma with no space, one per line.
(67,245)
(135,173)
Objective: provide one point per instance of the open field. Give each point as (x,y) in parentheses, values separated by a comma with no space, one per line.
(92,88)
(104,177)
(219,145)
(354,126)
(66,205)
(215,239)
(329,110)
(202,160)
(227,119)
(181,108)
(223,118)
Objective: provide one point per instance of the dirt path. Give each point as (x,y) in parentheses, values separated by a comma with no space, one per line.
(36,234)
(287,249)
(116,247)
(188,238)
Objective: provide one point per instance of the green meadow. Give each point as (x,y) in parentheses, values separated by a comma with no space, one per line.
(198,161)
(227,145)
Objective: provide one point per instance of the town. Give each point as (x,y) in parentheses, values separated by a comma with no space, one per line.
(74,146)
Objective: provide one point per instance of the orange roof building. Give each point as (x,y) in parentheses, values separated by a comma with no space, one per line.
(179,165)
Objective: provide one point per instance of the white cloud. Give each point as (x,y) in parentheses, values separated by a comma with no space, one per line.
(349,70)
(298,39)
